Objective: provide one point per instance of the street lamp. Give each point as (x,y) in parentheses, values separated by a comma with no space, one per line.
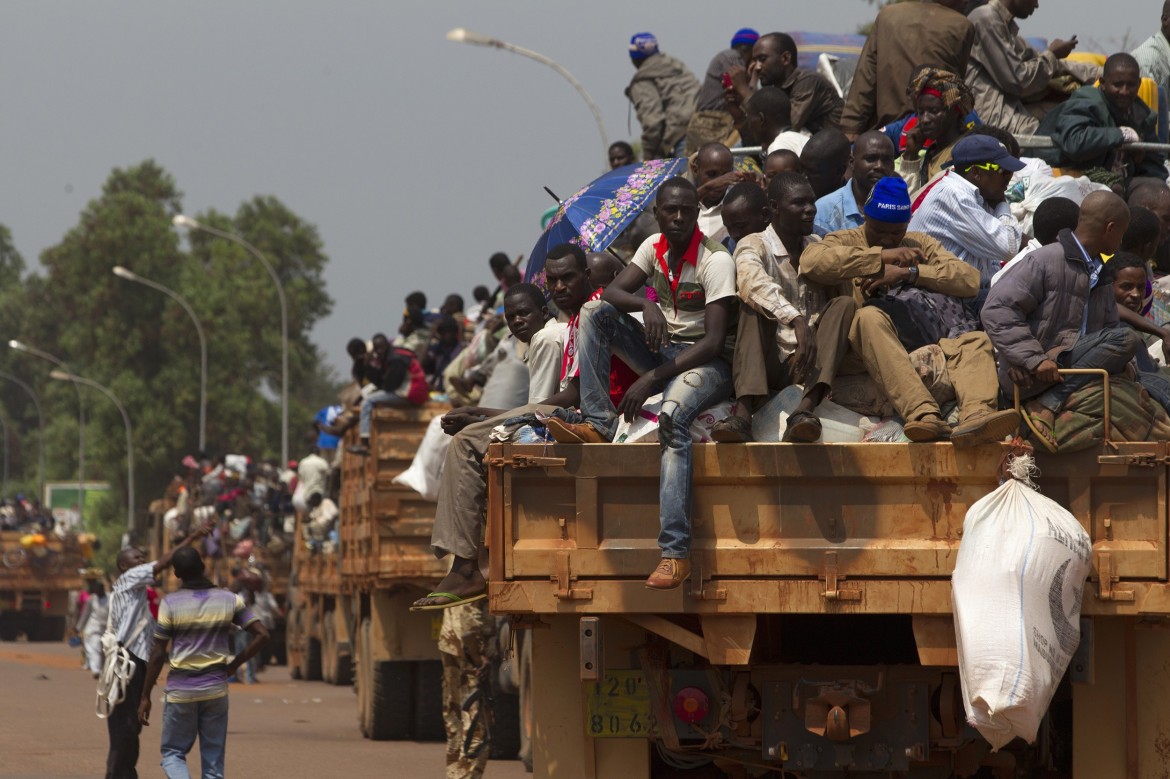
(124,273)
(460,35)
(188,223)
(40,426)
(20,346)
(77,380)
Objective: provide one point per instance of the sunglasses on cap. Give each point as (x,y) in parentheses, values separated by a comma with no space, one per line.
(990,167)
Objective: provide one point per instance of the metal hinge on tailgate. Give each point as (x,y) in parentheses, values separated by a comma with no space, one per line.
(527,461)
(564,580)
(1106,579)
(833,590)
(1137,459)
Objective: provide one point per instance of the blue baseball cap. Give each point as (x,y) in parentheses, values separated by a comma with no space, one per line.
(975,149)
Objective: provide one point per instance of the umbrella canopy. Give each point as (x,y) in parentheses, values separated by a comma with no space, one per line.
(596,214)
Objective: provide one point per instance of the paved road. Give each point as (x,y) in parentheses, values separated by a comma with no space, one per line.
(279,728)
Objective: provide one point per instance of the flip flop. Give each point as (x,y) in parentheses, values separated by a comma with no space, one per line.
(455,600)
(1042,431)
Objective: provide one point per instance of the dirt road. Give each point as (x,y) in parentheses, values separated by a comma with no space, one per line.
(279,728)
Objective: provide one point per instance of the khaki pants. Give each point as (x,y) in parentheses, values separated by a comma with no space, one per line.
(757,369)
(874,347)
(458,528)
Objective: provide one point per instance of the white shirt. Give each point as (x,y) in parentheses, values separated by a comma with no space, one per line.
(789,139)
(711,222)
(313,474)
(1032,246)
(129,608)
(955,214)
(544,361)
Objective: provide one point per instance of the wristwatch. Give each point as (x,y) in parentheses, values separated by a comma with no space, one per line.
(913,271)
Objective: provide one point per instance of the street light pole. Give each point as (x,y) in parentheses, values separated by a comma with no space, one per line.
(77,380)
(124,273)
(190,224)
(4,430)
(460,35)
(23,347)
(40,427)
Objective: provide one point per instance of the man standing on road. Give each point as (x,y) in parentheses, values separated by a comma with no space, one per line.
(462,641)
(196,621)
(132,624)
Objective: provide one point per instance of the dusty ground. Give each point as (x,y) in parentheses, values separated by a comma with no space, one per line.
(279,728)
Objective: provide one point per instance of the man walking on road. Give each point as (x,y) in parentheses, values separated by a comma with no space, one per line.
(132,624)
(462,641)
(196,621)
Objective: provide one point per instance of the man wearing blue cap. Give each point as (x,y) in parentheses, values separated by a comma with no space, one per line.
(712,121)
(663,92)
(967,211)
(909,291)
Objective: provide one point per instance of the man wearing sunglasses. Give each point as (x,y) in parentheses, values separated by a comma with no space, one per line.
(967,213)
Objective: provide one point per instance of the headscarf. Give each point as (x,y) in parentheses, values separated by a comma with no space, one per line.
(944,85)
(642,45)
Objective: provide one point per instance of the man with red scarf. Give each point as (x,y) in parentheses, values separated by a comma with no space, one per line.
(682,349)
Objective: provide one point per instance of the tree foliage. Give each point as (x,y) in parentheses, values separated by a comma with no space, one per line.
(142,345)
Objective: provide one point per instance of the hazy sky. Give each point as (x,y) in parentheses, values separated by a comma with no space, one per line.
(416,158)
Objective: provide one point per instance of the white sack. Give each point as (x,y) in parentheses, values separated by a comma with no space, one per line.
(1017,588)
(644,428)
(427,466)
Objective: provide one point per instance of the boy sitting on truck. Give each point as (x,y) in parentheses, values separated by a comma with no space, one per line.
(682,349)
(458,528)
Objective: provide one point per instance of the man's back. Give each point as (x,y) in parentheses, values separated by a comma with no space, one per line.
(663,91)
(198,625)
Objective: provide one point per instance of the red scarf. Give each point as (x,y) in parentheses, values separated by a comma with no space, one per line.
(691,255)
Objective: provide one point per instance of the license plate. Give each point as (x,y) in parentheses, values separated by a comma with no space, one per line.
(618,706)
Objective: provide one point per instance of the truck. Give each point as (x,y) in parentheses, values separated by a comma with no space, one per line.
(36,581)
(815,635)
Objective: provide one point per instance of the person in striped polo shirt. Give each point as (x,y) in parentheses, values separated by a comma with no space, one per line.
(196,621)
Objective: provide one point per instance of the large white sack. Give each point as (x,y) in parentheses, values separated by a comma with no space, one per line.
(644,428)
(1017,588)
(426,469)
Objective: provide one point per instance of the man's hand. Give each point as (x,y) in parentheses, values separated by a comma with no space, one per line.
(915,140)
(742,81)
(1020,376)
(805,355)
(1063,48)
(144,710)
(1048,372)
(1166,348)
(892,274)
(654,322)
(457,419)
(636,396)
(233,666)
(903,257)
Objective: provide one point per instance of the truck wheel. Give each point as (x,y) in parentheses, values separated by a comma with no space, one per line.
(328,650)
(505,726)
(47,628)
(385,693)
(428,701)
(292,639)
(524,661)
(311,660)
(9,628)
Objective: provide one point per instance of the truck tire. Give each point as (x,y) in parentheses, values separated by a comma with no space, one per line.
(9,627)
(47,628)
(292,639)
(524,729)
(505,726)
(328,650)
(428,701)
(311,660)
(385,693)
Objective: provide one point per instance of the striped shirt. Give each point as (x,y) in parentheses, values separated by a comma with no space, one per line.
(129,609)
(198,625)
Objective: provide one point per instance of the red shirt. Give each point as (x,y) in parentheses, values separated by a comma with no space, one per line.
(621,376)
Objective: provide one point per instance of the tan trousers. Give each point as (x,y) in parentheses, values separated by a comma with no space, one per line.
(459,515)
(757,369)
(874,343)
(461,649)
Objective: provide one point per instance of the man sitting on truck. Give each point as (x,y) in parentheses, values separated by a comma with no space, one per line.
(682,349)
(1056,309)
(909,292)
(458,528)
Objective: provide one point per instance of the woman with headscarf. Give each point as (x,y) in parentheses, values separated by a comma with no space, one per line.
(943,103)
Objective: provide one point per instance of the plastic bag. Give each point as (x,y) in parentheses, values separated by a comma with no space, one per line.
(1035,184)
(644,428)
(1016,588)
(427,466)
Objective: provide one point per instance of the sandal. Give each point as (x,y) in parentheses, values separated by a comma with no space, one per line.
(454,600)
(1043,431)
(802,428)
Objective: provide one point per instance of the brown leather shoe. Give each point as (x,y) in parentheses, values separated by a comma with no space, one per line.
(567,433)
(669,574)
(732,430)
(989,428)
(931,427)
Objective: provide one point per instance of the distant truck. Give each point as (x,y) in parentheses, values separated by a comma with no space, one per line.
(815,637)
(35,585)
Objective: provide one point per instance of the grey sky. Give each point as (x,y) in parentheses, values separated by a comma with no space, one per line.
(415,157)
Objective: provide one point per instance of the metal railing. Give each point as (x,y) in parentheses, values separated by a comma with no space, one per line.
(1025,141)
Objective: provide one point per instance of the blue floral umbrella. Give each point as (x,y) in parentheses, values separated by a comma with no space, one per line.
(596,214)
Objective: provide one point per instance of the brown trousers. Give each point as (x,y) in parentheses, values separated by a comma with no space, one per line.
(757,369)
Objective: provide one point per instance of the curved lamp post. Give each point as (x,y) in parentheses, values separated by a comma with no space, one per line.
(78,380)
(124,273)
(23,347)
(460,35)
(40,427)
(190,224)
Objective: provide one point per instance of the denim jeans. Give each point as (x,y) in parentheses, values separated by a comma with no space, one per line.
(1111,349)
(378,398)
(182,722)
(605,331)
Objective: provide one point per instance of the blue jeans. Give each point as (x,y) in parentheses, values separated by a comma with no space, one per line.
(1111,349)
(182,722)
(378,398)
(605,332)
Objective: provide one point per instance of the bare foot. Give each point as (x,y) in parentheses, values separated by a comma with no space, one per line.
(464,581)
